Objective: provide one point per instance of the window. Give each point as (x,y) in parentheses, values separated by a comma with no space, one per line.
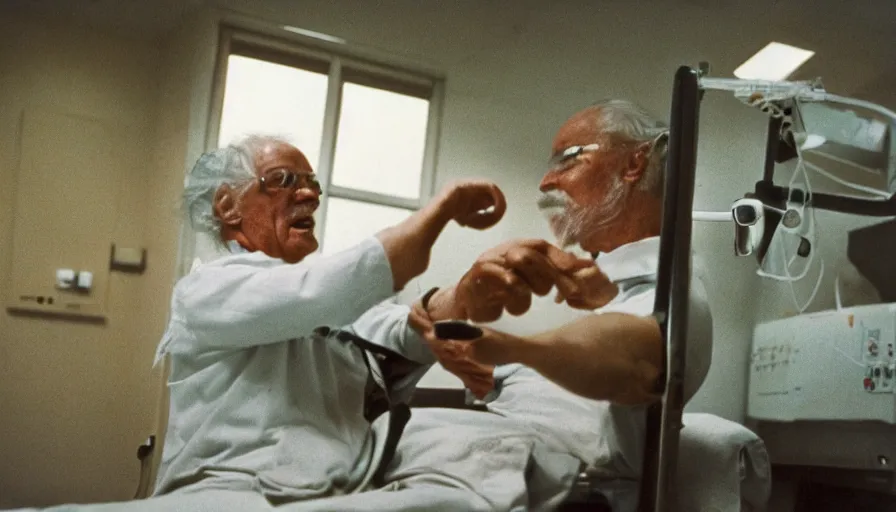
(369,130)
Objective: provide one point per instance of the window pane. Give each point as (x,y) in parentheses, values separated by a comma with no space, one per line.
(348,222)
(272,99)
(379,147)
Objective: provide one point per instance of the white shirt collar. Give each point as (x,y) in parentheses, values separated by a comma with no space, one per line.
(235,248)
(636,259)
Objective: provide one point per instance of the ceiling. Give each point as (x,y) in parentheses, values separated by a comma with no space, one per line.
(149,20)
(853,39)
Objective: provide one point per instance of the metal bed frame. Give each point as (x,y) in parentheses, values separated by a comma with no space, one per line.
(672,292)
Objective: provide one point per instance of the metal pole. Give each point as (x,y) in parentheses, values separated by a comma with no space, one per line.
(672,293)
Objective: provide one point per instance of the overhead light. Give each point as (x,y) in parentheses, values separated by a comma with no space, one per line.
(316,35)
(776,61)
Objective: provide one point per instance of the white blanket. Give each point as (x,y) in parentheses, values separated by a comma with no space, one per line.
(448,460)
(722,466)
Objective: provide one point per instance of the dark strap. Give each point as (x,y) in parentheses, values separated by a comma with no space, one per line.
(385,369)
(625,285)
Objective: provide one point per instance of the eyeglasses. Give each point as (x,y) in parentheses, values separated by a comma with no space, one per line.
(564,159)
(282,179)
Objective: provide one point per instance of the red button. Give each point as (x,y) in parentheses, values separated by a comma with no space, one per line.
(869,384)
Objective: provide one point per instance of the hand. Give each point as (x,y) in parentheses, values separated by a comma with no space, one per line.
(453,356)
(595,290)
(477,204)
(505,277)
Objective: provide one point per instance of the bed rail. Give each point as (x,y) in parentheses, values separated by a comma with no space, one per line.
(672,291)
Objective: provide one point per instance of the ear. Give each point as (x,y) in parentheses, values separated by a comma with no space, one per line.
(636,163)
(226,208)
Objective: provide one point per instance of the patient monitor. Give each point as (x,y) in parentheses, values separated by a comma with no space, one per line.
(830,365)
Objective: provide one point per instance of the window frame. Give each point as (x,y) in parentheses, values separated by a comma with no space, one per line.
(340,67)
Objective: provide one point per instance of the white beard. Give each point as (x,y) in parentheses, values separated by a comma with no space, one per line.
(570,221)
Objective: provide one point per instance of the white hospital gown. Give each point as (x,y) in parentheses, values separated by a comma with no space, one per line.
(257,400)
(601,434)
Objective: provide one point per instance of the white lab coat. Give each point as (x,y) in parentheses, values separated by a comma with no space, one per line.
(257,400)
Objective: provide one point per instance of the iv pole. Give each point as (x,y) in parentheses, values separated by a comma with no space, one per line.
(672,292)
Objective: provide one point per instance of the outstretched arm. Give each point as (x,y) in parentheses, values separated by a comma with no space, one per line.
(408,245)
(611,356)
(237,305)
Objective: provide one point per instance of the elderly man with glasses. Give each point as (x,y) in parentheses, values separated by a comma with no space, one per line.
(585,387)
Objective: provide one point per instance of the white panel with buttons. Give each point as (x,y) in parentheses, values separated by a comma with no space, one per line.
(830,365)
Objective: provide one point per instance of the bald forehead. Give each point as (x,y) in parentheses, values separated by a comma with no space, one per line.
(579,130)
(273,154)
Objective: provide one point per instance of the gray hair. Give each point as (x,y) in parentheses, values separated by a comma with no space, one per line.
(232,165)
(634,124)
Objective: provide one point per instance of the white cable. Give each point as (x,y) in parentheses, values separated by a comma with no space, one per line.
(837,292)
(802,309)
(854,186)
(800,168)
(848,357)
(704,216)
(844,161)
(801,165)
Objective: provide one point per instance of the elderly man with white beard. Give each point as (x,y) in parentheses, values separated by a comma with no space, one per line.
(585,387)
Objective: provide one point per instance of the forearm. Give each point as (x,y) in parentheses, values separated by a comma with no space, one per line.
(611,356)
(408,245)
(389,325)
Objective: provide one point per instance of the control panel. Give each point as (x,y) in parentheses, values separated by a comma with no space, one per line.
(830,365)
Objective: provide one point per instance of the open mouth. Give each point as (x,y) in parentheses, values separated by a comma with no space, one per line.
(303,224)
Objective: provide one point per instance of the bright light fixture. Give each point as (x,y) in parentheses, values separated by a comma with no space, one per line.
(315,35)
(776,61)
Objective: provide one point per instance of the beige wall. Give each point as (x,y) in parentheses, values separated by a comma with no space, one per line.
(75,400)
(78,399)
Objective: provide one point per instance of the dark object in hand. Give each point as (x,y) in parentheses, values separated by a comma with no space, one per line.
(457,330)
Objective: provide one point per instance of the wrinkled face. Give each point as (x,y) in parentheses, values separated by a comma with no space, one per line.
(588,182)
(274,213)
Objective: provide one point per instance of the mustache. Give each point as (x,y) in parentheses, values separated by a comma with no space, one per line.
(552,199)
(304,209)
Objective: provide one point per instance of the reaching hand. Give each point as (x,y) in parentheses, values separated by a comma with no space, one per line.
(593,289)
(505,277)
(453,355)
(477,204)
